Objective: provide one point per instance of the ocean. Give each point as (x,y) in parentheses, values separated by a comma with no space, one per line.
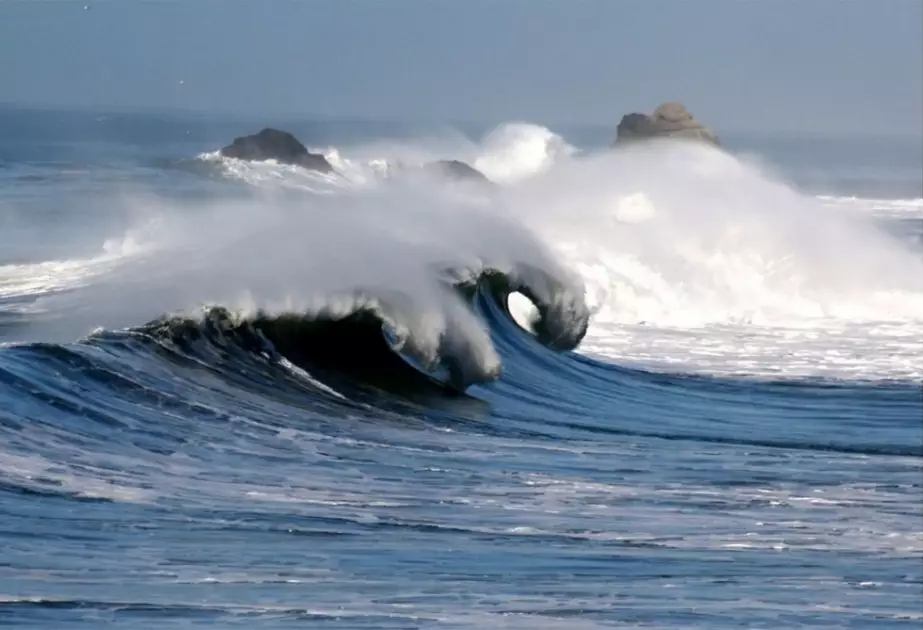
(662,386)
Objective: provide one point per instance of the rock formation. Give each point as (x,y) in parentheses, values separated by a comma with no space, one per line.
(670,120)
(273,144)
(457,170)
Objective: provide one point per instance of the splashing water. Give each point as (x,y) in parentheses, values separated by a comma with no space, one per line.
(690,256)
(693,257)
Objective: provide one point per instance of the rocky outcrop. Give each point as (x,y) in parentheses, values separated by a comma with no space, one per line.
(273,144)
(457,170)
(670,120)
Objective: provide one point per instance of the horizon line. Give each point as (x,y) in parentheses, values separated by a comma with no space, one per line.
(301,117)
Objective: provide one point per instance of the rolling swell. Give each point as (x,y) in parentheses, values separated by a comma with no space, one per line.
(373,342)
(576,396)
(224,359)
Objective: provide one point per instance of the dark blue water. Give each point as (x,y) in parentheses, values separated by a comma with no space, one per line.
(196,474)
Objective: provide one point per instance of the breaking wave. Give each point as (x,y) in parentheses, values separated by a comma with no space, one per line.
(679,251)
(374,338)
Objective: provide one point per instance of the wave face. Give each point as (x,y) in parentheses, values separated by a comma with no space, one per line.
(244,393)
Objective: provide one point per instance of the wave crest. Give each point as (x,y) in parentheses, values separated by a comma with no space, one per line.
(388,338)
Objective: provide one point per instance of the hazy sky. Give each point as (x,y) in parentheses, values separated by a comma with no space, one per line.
(824,65)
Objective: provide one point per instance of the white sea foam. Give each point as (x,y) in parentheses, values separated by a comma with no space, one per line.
(517,151)
(36,279)
(898,208)
(696,260)
(512,152)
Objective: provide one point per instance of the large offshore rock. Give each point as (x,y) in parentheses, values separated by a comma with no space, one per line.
(273,144)
(670,120)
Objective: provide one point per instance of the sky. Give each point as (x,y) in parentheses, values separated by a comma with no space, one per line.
(825,66)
